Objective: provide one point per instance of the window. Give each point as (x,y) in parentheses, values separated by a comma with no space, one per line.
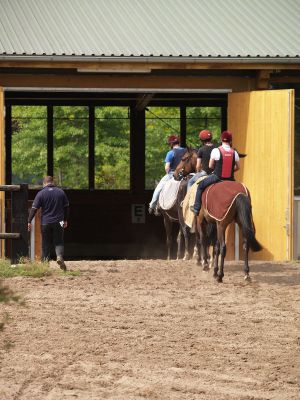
(29,144)
(160,123)
(199,118)
(70,146)
(112,148)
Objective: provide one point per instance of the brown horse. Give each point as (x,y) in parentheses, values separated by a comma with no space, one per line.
(174,214)
(206,236)
(240,212)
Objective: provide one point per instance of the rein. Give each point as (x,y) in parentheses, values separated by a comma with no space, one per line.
(185,160)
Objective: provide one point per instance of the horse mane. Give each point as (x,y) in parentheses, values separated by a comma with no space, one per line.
(190,149)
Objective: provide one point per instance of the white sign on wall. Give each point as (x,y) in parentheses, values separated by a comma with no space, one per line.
(138,213)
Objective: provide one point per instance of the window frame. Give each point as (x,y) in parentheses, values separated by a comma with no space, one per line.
(137,128)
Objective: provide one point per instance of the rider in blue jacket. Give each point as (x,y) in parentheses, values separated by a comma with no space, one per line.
(172,159)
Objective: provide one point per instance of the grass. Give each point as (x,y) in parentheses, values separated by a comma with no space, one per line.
(31,269)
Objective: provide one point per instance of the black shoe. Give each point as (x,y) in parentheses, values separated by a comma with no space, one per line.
(61,263)
(151,210)
(196,212)
(157,213)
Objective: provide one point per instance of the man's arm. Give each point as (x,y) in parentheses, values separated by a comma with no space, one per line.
(30,217)
(236,166)
(237,161)
(66,216)
(167,167)
(211,163)
(198,165)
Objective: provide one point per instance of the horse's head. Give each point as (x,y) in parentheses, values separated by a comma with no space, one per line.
(186,165)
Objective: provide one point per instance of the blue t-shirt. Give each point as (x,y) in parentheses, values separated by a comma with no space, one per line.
(53,201)
(172,159)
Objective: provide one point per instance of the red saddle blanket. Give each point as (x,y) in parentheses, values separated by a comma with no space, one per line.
(218,198)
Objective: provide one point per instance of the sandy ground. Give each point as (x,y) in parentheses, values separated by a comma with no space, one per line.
(154,330)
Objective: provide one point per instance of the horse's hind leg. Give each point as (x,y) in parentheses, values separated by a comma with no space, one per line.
(168,227)
(246,263)
(198,242)
(203,245)
(179,244)
(221,239)
(186,243)
(216,259)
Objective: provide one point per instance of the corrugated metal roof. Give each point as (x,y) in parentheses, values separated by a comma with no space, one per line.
(150,28)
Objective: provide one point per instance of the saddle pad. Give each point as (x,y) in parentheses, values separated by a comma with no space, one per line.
(218,198)
(168,195)
(189,200)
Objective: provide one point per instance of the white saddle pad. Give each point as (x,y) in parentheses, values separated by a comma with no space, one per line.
(168,195)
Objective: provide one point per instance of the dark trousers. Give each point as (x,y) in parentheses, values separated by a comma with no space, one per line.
(52,234)
(203,185)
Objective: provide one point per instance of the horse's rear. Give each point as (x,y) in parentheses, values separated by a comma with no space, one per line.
(174,214)
(223,203)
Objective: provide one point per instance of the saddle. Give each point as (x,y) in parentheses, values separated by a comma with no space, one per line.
(168,195)
(218,198)
(189,200)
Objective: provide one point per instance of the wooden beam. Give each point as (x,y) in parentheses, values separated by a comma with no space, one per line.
(10,188)
(108,82)
(10,235)
(143,101)
(146,67)
(263,79)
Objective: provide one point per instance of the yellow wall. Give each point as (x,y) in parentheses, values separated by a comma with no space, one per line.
(262,123)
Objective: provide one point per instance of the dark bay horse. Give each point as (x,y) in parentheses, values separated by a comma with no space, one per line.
(206,236)
(174,214)
(240,212)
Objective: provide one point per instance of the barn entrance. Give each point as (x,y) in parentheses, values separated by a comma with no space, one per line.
(106,150)
(109,211)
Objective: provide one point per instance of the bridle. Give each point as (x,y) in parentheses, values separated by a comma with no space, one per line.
(181,173)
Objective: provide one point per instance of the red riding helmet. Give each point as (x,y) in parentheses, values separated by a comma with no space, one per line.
(226,136)
(205,135)
(173,139)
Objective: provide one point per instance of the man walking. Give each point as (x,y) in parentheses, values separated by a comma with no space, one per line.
(55,211)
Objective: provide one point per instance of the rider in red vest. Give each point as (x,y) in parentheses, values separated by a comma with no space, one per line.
(224,161)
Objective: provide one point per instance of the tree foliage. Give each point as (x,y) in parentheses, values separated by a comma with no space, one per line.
(112,143)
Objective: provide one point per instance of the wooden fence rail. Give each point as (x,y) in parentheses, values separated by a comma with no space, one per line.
(19,217)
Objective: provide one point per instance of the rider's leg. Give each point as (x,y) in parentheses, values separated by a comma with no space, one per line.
(158,189)
(195,178)
(203,185)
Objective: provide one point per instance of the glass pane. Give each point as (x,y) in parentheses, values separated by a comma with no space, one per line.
(112,148)
(198,118)
(160,123)
(29,144)
(70,146)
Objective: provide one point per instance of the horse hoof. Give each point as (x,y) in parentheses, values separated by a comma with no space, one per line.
(205,268)
(247,278)
(219,279)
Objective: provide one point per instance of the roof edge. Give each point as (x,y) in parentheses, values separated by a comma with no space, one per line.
(151,59)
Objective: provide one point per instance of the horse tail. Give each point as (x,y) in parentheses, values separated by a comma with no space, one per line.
(211,233)
(244,213)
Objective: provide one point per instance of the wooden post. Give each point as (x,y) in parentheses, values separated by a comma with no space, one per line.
(19,217)
(2,168)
